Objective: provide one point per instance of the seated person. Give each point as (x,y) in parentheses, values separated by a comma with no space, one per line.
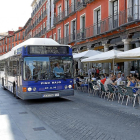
(108,81)
(93,78)
(138,81)
(103,80)
(117,82)
(114,78)
(132,83)
(57,70)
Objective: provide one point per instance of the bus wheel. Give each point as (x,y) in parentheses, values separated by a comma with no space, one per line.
(3,84)
(14,91)
(4,88)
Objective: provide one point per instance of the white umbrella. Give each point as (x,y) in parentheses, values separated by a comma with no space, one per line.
(134,53)
(107,57)
(86,54)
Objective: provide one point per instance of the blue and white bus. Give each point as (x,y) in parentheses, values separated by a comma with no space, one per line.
(38,68)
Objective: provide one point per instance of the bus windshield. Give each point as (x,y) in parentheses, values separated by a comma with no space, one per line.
(47,68)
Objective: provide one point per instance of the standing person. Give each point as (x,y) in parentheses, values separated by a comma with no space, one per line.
(93,70)
(89,73)
(97,71)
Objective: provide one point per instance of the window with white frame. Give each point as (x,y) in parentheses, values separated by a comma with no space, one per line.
(82,25)
(46,5)
(66,7)
(54,36)
(133,11)
(41,13)
(59,35)
(97,20)
(6,48)
(44,25)
(73,29)
(113,14)
(67,30)
(59,12)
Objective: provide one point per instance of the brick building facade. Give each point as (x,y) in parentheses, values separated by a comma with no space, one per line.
(85,24)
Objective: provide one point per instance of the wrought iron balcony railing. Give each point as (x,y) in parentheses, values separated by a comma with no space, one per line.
(58,18)
(37,8)
(55,1)
(111,23)
(80,4)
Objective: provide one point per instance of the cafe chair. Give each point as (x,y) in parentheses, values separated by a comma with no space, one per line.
(121,94)
(130,95)
(103,91)
(112,92)
(91,90)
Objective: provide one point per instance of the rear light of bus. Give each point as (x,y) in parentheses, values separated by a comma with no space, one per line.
(24,89)
(73,86)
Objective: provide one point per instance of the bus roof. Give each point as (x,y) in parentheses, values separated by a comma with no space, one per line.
(32,41)
(37,41)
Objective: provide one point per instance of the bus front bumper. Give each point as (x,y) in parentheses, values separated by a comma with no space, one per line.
(48,94)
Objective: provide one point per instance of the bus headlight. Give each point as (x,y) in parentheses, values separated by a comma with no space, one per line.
(29,89)
(34,89)
(66,87)
(70,86)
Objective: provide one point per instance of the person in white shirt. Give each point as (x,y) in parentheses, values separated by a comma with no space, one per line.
(89,72)
(117,82)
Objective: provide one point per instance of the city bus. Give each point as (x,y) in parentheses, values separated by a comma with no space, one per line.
(38,68)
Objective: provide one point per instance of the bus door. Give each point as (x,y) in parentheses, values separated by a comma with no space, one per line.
(18,76)
(6,69)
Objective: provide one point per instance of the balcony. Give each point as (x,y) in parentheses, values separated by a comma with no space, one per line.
(58,18)
(55,1)
(114,22)
(60,40)
(37,8)
(68,12)
(89,1)
(81,34)
(44,14)
(73,37)
(80,4)
(44,31)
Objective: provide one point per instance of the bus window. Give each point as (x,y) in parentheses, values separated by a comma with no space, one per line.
(36,68)
(47,68)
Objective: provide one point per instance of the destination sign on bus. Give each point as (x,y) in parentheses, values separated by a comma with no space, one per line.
(48,50)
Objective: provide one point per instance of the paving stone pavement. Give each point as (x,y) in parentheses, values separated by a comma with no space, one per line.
(79,117)
(85,117)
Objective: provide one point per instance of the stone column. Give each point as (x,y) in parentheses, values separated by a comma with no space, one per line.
(106,65)
(90,63)
(137,44)
(138,61)
(127,46)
